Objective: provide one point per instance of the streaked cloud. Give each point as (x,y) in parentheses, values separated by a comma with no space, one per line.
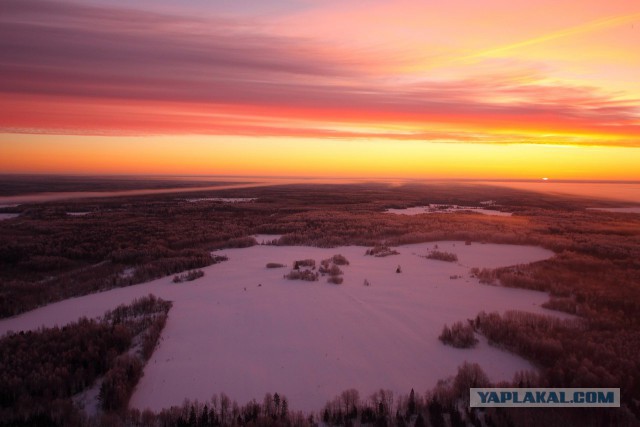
(72,68)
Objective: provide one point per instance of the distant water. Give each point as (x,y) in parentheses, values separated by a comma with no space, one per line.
(628,192)
(69,195)
(622,191)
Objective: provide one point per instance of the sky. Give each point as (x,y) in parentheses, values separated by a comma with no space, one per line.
(495,89)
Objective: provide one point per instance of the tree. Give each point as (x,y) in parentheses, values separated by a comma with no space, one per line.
(276,404)
(411,406)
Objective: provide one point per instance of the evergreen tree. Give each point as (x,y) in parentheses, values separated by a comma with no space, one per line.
(411,406)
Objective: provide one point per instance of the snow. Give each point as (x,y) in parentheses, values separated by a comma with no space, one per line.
(223,199)
(635,209)
(78,213)
(88,399)
(433,209)
(4,216)
(244,330)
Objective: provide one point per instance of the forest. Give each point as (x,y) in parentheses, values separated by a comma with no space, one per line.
(41,371)
(47,255)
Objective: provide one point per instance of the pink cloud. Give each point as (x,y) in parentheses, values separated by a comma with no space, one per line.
(71,68)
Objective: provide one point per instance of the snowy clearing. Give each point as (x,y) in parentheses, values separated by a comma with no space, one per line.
(433,209)
(244,330)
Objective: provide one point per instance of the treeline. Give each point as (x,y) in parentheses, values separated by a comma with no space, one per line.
(571,353)
(42,370)
(47,255)
(578,283)
(603,349)
(18,295)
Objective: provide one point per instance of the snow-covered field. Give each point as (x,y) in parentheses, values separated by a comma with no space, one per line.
(244,330)
(433,209)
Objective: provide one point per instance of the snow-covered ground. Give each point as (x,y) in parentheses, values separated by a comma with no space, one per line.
(433,209)
(635,209)
(8,216)
(244,330)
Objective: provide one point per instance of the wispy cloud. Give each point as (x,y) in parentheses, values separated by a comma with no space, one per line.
(71,68)
(589,27)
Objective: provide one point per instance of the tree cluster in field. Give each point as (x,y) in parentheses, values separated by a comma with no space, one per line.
(381,251)
(306,269)
(459,335)
(189,276)
(442,256)
(41,370)
(306,275)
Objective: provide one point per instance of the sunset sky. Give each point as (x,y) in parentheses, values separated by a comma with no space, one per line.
(363,88)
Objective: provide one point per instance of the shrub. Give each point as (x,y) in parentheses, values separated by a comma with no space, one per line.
(381,251)
(443,256)
(304,263)
(188,276)
(340,260)
(485,275)
(336,280)
(274,265)
(307,275)
(335,270)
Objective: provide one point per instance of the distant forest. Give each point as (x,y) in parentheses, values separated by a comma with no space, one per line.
(47,255)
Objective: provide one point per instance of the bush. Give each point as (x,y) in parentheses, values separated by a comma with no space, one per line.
(381,251)
(336,280)
(459,335)
(340,260)
(188,276)
(335,270)
(307,275)
(274,265)
(304,263)
(443,256)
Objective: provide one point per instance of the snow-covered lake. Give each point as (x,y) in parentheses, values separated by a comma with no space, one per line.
(434,209)
(223,199)
(635,209)
(244,330)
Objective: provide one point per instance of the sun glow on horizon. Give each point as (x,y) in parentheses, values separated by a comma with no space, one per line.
(277,156)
